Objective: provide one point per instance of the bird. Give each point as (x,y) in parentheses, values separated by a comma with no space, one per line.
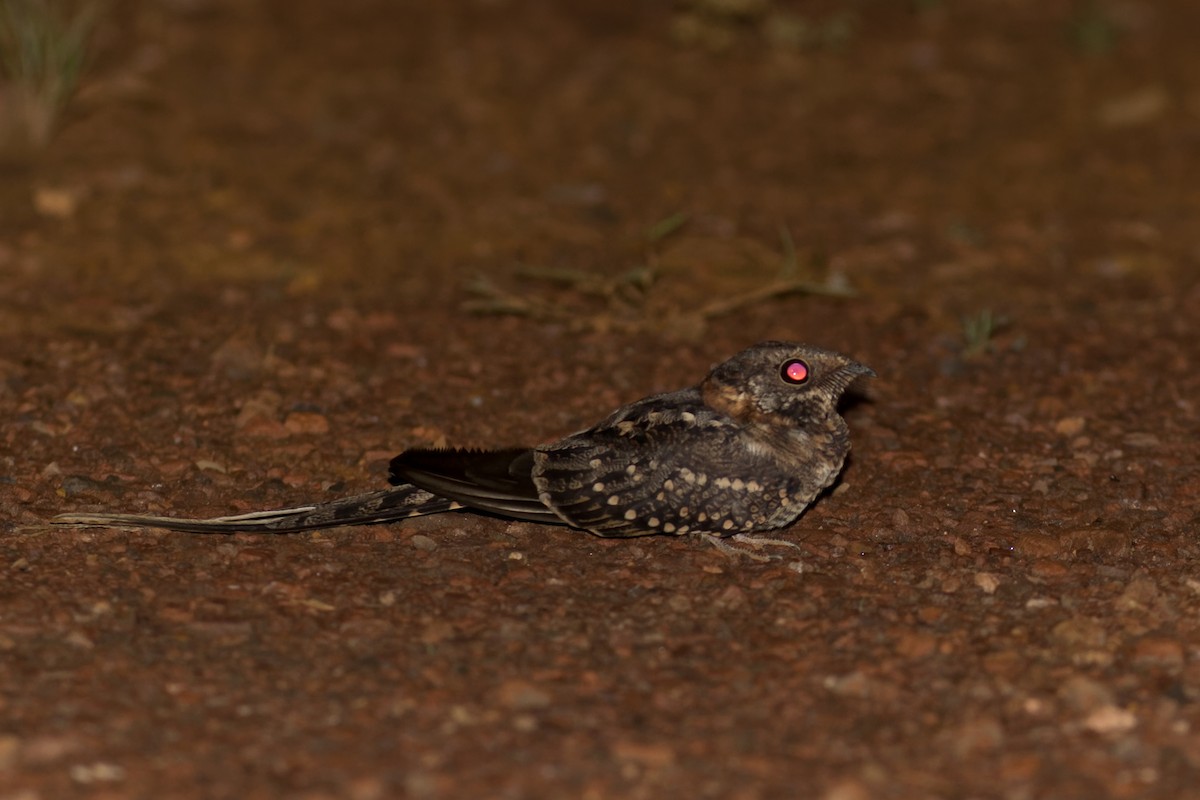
(745,450)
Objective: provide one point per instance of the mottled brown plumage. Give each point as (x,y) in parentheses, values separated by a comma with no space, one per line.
(747,449)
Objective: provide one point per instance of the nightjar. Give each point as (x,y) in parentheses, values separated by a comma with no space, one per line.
(747,449)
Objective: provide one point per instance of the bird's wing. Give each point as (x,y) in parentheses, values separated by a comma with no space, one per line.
(499,481)
(662,465)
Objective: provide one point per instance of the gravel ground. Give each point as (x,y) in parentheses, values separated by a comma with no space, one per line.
(239,278)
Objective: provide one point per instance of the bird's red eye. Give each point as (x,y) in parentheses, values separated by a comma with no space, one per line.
(794,371)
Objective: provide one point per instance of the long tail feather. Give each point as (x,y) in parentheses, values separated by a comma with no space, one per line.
(388,505)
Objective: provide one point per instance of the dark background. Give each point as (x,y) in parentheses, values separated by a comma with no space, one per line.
(236,278)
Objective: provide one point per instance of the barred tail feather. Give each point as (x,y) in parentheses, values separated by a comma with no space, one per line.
(388,505)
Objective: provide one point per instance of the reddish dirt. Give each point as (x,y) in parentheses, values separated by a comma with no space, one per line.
(236,278)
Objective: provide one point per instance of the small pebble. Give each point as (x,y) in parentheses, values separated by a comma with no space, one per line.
(422,542)
(1070,426)
(306,422)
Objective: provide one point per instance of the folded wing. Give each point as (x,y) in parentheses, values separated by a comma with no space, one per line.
(498,481)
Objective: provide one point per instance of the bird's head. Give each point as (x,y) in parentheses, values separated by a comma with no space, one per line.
(781,383)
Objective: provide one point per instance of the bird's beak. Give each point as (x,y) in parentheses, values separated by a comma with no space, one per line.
(848,373)
(859,370)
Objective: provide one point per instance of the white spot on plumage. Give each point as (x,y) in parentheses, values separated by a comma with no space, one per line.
(614,500)
(597,487)
(631,515)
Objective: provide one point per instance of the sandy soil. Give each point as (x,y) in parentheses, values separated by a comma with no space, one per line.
(240,278)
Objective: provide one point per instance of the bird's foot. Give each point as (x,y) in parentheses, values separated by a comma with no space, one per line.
(753,547)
